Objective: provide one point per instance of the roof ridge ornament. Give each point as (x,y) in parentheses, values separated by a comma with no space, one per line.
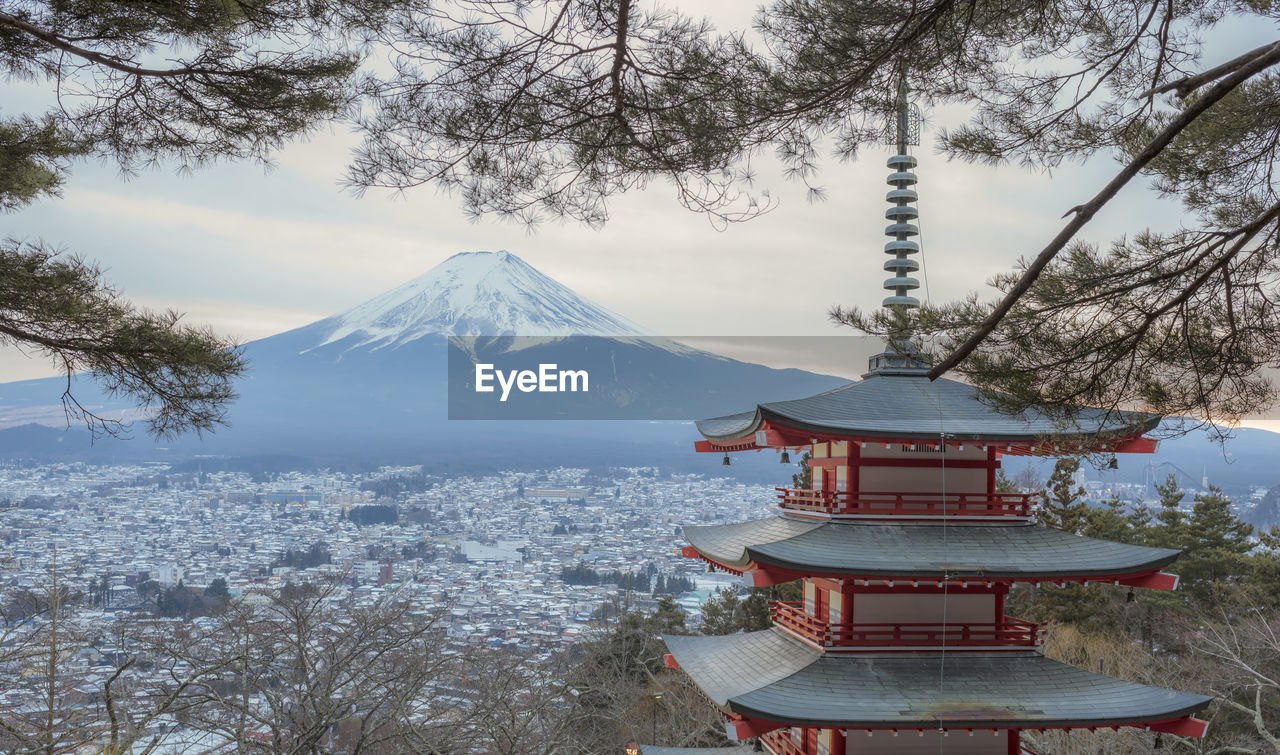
(900,356)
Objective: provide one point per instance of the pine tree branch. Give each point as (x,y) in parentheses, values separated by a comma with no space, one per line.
(1183,87)
(54,40)
(1269,56)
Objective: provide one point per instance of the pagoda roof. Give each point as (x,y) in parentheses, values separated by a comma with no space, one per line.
(1015,550)
(770,676)
(911,405)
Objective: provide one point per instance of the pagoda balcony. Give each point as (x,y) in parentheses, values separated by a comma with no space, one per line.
(779,742)
(843,504)
(1009,632)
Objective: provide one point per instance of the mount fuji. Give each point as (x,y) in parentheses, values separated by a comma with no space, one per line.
(474,294)
(370,382)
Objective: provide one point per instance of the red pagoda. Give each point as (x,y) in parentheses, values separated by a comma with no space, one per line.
(906,552)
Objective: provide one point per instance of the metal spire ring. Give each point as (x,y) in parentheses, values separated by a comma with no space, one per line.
(900,215)
(902,229)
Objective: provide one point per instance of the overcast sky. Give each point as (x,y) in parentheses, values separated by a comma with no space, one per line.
(253,252)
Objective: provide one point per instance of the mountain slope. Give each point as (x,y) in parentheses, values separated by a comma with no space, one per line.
(371,381)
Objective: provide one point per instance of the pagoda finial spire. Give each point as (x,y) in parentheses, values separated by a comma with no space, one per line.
(903,133)
(902,212)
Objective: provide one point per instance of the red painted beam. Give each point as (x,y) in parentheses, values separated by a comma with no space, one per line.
(1137,445)
(1187,726)
(1154,581)
(758,577)
(669,661)
(742,729)
(689,551)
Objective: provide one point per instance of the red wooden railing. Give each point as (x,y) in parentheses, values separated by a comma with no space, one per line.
(1009,631)
(906,504)
(779,742)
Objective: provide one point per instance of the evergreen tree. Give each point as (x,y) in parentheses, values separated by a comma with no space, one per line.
(803,480)
(1113,522)
(1170,527)
(1062,508)
(667,618)
(1216,548)
(217,590)
(756,613)
(727,612)
(721,612)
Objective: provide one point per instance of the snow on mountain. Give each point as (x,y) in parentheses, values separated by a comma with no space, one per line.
(474,294)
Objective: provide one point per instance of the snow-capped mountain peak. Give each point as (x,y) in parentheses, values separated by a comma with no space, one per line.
(475,294)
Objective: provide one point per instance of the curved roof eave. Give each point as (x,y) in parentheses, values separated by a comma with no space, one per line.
(915,407)
(770,676)
(999,551)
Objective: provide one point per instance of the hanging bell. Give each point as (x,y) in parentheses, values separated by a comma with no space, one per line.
(725,463)
(786,457)
(1114,463)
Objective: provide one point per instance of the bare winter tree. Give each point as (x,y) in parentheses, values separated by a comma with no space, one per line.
(1247,650)
(305,671)
(36,645)
(623,692)
(58,699)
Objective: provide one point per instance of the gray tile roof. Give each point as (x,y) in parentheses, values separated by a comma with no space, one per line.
(771,676)
(912,406)
(1014,550)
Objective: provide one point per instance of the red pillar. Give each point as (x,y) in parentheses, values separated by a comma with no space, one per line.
(855,470)
(993,456)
